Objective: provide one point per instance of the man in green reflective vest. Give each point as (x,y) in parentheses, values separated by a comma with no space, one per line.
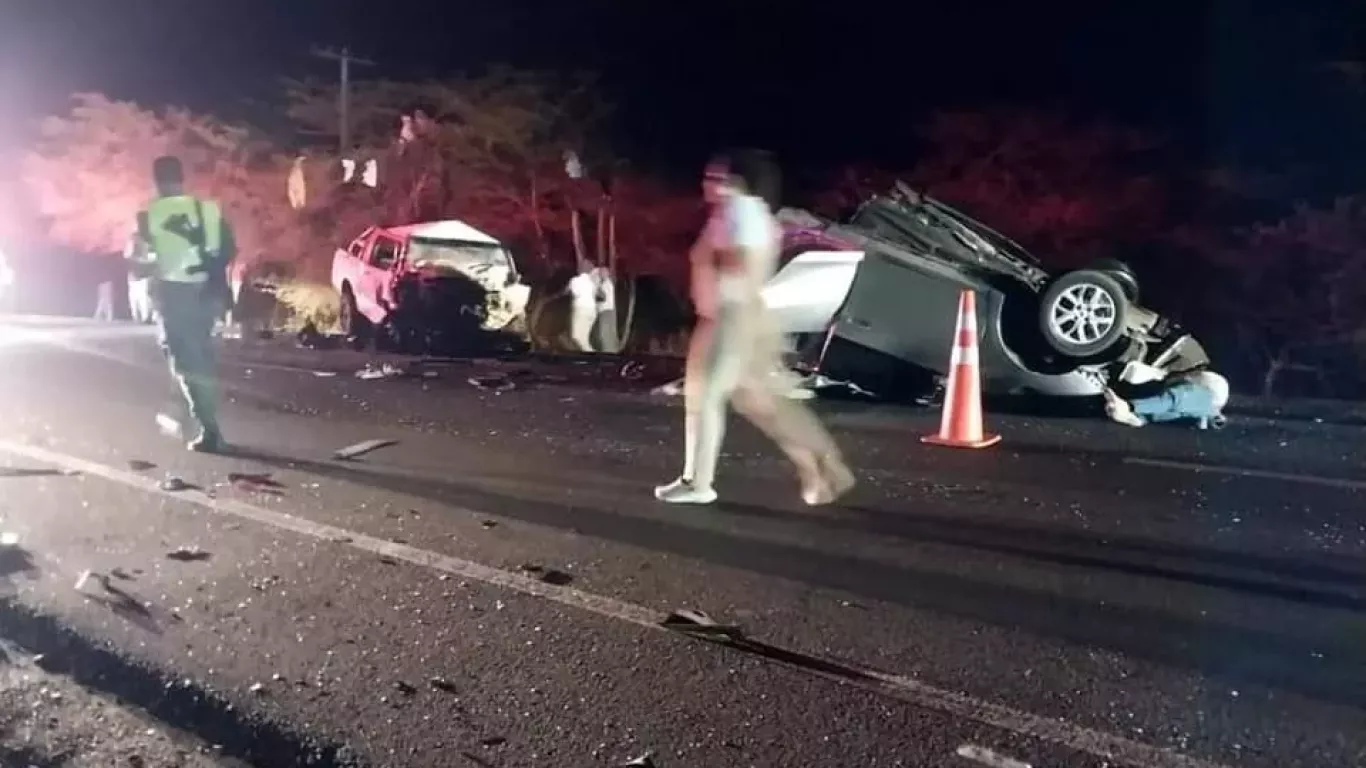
(184,247)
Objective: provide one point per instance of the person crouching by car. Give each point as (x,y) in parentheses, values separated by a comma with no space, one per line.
(1198,396)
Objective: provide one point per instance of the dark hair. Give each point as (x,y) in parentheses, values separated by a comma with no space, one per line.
(757,170)
(168,170)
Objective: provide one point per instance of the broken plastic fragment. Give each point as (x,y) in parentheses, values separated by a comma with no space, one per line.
(173,483)
(646,760)
(362,448)
(442,684)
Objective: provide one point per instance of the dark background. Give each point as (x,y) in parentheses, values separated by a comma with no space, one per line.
(1241,81)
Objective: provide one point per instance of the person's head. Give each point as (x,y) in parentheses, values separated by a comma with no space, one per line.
(716,180)
(743,171)
(168,174)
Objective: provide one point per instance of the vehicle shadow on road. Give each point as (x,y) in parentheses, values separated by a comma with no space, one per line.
(1240,654)
(185,707)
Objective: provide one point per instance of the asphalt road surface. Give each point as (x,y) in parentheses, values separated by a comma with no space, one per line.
(490,589)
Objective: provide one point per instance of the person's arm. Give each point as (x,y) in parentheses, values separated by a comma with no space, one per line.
(703,271)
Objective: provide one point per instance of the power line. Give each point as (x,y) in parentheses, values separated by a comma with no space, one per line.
(345,60)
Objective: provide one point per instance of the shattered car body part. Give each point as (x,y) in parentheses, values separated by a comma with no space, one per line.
(362,448)
(884,285)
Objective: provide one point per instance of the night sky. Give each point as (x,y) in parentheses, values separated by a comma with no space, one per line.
(817,80)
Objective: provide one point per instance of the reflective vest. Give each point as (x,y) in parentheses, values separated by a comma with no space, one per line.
(182,232)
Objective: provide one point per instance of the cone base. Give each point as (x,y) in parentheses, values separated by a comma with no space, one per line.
(986,442)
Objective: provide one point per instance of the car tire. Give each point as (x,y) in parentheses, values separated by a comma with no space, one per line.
(354,325)
(1083,313)
(1122,273)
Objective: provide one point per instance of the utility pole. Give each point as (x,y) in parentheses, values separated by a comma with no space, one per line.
(345,59)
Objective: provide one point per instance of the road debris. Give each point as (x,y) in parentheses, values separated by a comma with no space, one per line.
(441,684)
(694,622)
(88,576)
(547,575)
(174,484)
(646,760)
(987,757)
(9,539)
(362,448)
(386,371)
(139,465)
(671,389)
(188,555)
(169,425)
(632,370)
(256,482)
(497,383)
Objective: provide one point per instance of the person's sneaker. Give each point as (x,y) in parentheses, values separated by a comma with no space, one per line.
(1119,410)
(835,480)
(683,491)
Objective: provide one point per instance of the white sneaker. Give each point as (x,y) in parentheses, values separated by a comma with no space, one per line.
(682,491)
(1119,410)
(833,481)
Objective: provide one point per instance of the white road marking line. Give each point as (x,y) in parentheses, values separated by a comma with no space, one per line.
(987,757)
(1268,474)
(1107,746)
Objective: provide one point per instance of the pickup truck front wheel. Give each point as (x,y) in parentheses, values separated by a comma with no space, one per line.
(354,326)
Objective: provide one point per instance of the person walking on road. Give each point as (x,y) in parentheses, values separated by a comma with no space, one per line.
(184,245)
(736,345)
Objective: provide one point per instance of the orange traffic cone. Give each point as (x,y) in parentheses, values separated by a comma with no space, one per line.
(961,423)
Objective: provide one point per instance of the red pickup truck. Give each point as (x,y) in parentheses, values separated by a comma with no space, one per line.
(426,281)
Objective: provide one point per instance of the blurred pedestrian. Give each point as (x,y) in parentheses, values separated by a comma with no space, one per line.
(736,344)
(184,247)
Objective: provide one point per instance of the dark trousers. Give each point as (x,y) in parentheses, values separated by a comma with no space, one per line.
(187,314)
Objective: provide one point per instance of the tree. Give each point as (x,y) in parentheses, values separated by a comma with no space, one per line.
(1071,191)
(487,148)
(1295,291)
(90,173)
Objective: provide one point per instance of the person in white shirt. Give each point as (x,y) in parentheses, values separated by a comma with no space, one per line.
(736,344)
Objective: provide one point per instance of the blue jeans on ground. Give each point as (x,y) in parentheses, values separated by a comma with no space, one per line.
(1180,401)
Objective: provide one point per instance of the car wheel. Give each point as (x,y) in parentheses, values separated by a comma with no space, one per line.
(353,323)
(1083,313)
(1122,273)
